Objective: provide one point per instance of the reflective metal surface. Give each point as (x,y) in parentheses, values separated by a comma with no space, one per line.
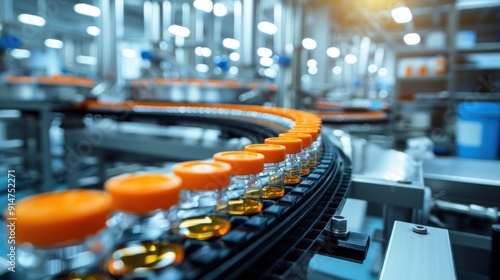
(33,90)
(200,91)
(462,180)
(413,255)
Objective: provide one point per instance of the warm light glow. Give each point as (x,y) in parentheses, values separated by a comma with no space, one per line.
(53,43)
(202,68)
(333,52)
(178,30)
(337,70)
(31,19)
(93,30)
(20,53)
(234,56)
(350,59)
(382,72)
(372,68)
(84,59)
(411,39)
(401,14)
(129,53)
(88,10)
(220,10)
(264,52)
(231,43)
(267,27)
(203,5)
(266,61)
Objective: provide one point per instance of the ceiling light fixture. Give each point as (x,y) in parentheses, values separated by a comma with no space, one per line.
(264,52)
(93,30)
(85,59)
(203,5)
(333,52)
(401,14)
(20,53)
(309,44)
(53,43)
(267,27)
(350,59)
(129,53)
(231,43)
(87,10)
(178,30)
(31,19)
(220,10)
(411,39)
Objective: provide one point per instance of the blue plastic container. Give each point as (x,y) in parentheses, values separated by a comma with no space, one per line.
(478,130)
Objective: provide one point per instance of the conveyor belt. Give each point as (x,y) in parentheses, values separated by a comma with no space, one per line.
(276,243)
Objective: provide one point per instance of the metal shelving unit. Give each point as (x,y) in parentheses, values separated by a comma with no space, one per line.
(466,79)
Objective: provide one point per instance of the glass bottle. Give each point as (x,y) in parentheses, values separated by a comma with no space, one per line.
(307,156)
(293,146)
(245,190)
(272,177)
(203,192)
(60,233)
(316,140)
(142,202)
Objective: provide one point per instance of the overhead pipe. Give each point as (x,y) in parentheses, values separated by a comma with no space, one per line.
(111,25)
(246,36)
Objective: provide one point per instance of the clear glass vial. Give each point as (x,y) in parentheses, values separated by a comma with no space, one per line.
(203,192)
(142,203)
(61,233)
(307,155)
(273,176)
(245,190)
(316,141)
(293,146)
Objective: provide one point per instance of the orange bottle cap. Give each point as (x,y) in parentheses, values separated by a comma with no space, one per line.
(242,163)
(309,121)
(312,126)
(272,153)
(59,218)
(307,125)
(314,132)
(143,193)
(292,145)
(305,137)
(203,175)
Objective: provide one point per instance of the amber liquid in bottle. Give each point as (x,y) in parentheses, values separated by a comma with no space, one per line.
(292,176)
(241,206)
(304,169)
(313,161)
(144,255)
(268,192)
(203,228)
